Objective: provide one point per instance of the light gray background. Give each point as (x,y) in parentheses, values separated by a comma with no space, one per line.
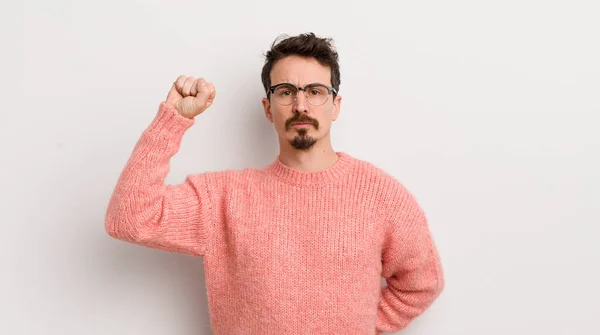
(486,110)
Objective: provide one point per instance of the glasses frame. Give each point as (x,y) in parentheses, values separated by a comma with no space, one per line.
(330,90)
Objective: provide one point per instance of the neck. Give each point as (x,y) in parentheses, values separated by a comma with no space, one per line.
(321,156)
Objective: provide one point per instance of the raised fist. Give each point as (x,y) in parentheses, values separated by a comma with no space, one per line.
(191,96)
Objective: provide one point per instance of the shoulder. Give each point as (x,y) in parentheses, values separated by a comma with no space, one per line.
(393,196)
(383,180)
(228,177)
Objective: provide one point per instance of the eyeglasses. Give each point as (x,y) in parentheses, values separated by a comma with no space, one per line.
(316,94)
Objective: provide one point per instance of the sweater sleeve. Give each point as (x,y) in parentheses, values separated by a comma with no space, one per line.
(411,265)
(144,210)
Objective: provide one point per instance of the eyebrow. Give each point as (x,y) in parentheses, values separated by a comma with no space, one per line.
(288,83)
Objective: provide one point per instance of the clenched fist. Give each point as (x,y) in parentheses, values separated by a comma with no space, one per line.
(191,96)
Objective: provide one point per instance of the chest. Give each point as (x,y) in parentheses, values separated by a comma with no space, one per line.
(307,232)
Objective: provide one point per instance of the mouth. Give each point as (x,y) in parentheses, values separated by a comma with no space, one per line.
(301,124)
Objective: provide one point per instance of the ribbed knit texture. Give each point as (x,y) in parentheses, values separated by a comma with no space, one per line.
(285,251)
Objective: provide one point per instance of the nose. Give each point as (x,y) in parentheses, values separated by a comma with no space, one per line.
(300,105)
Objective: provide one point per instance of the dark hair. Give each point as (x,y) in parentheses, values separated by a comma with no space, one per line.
(305,45)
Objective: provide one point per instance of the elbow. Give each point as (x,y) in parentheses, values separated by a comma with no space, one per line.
(113,217)
(122,230)
(112,226)
(119,224)
(124,226)
(440,282)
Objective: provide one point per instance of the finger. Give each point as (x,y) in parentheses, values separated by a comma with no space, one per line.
(199,83)
(187,86)
(204,92)
(179,83)
(212,94)
(194,88)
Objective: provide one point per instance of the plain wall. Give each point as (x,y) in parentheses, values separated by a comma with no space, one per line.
(487,111)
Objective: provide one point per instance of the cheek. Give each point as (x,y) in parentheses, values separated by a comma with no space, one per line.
(324,125)
(279,118)
(325,118)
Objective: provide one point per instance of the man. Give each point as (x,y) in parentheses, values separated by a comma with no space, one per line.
(298,247)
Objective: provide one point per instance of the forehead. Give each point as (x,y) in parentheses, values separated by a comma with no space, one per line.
(300,71)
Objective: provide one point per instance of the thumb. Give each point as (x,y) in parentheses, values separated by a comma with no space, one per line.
(205,94)
(174,96)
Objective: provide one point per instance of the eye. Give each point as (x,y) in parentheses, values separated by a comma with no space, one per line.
(285,91)
(316,90)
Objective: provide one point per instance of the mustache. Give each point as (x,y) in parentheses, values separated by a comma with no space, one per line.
(301,118)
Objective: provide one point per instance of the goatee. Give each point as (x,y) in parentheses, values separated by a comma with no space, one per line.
(303,141)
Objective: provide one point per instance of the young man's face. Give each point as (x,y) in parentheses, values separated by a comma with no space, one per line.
(300,123)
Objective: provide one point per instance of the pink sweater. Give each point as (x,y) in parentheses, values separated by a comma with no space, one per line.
(284,251)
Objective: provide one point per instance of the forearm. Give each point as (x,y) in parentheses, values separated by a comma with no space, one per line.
(408,295)
(411,264)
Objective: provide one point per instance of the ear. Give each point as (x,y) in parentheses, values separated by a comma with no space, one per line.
(336,107)
(267,107)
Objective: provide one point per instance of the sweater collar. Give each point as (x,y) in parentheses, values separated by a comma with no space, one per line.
(296,177)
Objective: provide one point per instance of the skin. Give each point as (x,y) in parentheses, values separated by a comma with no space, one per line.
(306,148)
(301,71)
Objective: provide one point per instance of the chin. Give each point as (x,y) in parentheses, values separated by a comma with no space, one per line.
(306,144)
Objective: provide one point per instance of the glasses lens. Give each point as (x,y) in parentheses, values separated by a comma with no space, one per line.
(285,94)
(317,94)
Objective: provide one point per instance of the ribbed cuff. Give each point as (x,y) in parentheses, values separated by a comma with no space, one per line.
(168,122)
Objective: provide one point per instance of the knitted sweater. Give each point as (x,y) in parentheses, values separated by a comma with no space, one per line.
(284,251)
